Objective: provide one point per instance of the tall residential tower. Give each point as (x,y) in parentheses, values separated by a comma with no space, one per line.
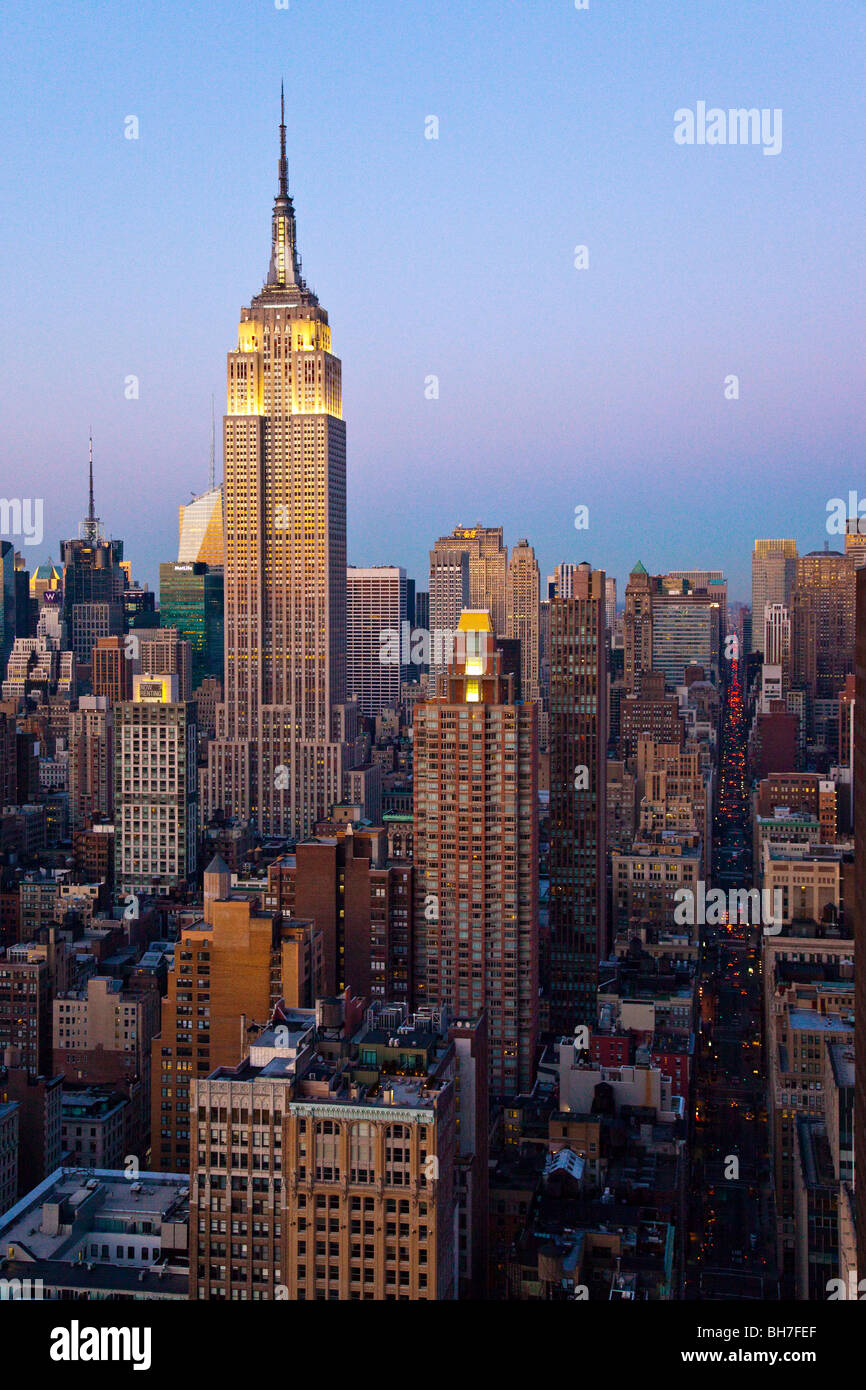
(578,799)
(476,854)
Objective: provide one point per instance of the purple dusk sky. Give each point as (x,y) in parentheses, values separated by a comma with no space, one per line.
(558,386)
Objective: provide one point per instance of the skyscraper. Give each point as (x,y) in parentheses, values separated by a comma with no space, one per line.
(776,645)
(822,637)
(421,616)
(201,538)
(637,626)
(774,564)
(684,634)
(559,583)
(91,760)
(689,620)
(112,670)
(448,596)
(155,788)
(279,753)
(610,607)
(375,605)
(163,651)
(476,854)
(855,541)
(523,614)
(578,799)
(93,582)
(711,583)
(8,605)
(488,564)
(191,597)
(860,921)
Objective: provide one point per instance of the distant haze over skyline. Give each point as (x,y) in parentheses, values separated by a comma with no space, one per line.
(558,387)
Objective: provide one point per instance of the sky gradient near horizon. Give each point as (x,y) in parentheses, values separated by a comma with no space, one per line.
(454,257)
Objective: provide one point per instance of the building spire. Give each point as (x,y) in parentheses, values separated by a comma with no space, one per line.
(284,163)
(91,524)
(285,268)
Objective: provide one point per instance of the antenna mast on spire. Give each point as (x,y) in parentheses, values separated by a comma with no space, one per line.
(284,163)
(89,529)
(284,272)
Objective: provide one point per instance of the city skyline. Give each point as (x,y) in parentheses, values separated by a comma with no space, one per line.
(432,853)
(685,275)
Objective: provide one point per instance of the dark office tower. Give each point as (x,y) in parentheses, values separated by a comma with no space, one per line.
(91,622)
(191,600)
(91,576)
(8,605)
(422,608)
(139,607)
(283,729)
(24,625)
(578,799)
(860,923)
(410,601)
(822,637)
(509,661)
(637,625)
(616,685)
(8,761)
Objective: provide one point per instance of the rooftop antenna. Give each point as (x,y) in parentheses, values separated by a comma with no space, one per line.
(284,163)
(90,527)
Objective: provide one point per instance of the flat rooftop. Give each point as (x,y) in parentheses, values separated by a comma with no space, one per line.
(54,1220)
(808,1021)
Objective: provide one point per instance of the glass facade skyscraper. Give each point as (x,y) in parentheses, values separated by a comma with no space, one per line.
(191,600)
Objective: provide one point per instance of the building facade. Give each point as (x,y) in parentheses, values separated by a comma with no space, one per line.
(476,854)
(523,615)
(578,799)
(375,636)
(155,789)
(280,749)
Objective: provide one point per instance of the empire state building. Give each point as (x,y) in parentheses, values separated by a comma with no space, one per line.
(284,729)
